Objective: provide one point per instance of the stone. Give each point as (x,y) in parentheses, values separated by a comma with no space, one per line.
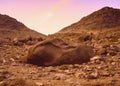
(96,58)
(39,84)
(54,52)
(105,74)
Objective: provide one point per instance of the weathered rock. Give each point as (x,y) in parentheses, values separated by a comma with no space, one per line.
(105,74)
(102,51)
(97,58)
(93,76)
(57,52)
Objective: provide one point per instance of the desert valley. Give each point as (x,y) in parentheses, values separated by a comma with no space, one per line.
(86,53)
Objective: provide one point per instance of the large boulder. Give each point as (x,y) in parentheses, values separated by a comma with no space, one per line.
(57,52)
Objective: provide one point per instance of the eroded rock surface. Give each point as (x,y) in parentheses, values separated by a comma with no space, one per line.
(57,52)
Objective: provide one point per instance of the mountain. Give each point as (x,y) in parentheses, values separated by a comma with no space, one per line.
(10,28)
(104,18)
(103,24)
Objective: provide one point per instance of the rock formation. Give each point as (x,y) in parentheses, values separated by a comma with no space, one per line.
(57,52)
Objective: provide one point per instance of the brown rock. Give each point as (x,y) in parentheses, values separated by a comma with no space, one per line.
(105,74)
(93,75)
(57,52)
(97,58)
(60,76)
(102,51)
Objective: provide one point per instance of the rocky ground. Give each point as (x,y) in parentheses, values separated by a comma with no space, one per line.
(101,30)
(102,70)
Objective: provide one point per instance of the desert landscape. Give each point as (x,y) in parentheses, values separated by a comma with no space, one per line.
(86,53)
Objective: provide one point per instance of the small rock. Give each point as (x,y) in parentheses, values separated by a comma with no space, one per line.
(112,53)
(14,64)
(89,69)
(102,51)
(60,76)
(105,74)
(80,74)
(97,58)
(113,63)
(1,82)
(56,78)
(68,72)
(92,76)
(117,75)
(39,84)
(50,69)
(33,72)
(63,67)
(99,67)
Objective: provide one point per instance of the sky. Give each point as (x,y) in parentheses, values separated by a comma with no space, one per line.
(50,16)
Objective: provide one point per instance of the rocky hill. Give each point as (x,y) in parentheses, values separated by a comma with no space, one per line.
(11,29)
(102,19)
(102,25)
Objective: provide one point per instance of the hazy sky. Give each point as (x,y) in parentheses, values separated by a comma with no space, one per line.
(49,16)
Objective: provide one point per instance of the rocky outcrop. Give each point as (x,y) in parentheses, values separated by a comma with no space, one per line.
(57,52)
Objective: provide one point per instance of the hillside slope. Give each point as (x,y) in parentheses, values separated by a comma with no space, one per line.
(102,19)
(100,26)
(10,28)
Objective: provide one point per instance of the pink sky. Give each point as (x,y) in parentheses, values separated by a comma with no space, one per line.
(49,16)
